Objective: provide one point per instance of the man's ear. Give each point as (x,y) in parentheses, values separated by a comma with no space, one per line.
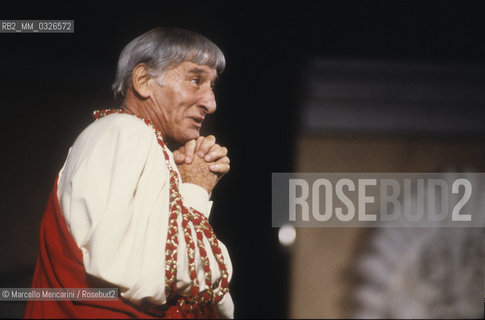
(140,80)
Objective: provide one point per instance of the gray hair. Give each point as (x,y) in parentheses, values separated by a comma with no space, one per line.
(162,48)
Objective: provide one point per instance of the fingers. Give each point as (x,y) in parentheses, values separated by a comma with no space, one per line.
(204,145)
(189,150)
(216,152)
(179,156)
(221,166)
(198,143)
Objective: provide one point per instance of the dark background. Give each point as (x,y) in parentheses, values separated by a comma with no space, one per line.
(50,84)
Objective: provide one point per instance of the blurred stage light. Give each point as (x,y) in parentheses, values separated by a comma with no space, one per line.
(287,234)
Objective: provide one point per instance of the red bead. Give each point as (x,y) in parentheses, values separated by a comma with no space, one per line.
(224,283)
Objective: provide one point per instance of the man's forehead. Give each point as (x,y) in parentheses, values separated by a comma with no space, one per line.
(198,69)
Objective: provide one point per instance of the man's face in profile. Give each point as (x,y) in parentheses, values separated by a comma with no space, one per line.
(182,98)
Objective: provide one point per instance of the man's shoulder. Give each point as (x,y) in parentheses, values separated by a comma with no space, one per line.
(115,128)
(119,124)
(122,122)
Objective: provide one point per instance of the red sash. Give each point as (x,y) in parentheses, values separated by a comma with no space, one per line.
(60,265)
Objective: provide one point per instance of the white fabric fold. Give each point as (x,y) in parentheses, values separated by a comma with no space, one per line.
(196,197)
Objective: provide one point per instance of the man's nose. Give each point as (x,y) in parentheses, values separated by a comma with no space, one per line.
(208,101)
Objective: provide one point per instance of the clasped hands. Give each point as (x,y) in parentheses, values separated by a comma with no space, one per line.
(202,162)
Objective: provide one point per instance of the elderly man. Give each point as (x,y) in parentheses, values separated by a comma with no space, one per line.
(125,211)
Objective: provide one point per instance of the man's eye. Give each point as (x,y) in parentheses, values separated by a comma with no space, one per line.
(196,81)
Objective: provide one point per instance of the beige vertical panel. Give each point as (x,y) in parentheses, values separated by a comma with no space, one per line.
(322,258)
(318,278)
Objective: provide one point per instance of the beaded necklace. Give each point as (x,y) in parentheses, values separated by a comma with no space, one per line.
(190,216)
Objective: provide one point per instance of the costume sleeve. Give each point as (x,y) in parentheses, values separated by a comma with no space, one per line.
(225,307)
(114,194)
(108,204)
(196,197)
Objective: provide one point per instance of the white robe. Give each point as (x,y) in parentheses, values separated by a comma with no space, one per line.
(113,191)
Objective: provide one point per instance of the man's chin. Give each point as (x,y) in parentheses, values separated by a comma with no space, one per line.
(193,135)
